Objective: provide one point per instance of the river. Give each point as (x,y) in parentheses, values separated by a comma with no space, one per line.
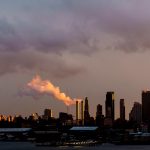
(31,146)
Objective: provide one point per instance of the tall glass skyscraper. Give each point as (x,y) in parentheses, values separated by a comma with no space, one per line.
(109,105)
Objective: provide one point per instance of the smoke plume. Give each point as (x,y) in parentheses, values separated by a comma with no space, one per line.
(46,87)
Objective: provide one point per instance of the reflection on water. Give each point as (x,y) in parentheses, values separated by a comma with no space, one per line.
(30,146)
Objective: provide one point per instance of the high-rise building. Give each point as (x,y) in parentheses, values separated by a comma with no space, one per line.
(99,110)
(47,113)
(122,109)
(77,112)
(99,116)
(136,113)
(82,112)
(86,106)
(146,106)
(109,105)
(86,111)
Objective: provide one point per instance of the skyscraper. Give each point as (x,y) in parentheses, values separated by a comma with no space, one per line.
(86,106)
(86,111)
(99,116)
(136,113)
(77,111)
(99,110)
(122,109)
(146,106)
(82,112)
(109,105)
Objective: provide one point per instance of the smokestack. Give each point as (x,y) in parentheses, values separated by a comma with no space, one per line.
(77,111)
(82,112)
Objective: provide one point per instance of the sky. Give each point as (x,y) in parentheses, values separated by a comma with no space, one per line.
(85,47)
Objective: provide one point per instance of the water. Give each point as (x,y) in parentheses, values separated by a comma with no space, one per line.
(30,146)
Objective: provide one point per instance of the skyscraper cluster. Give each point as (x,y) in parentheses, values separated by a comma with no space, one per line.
(139,112)
(85,115)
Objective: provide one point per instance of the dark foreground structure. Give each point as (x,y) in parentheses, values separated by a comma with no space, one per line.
(15,134)
(83,136)
(74,136)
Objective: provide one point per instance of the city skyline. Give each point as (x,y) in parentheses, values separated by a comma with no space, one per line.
(82,111)
(82,115)
(84,47)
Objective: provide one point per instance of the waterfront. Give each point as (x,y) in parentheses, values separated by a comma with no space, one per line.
(31,146)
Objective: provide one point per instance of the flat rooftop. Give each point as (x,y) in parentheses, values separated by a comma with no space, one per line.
(84,128)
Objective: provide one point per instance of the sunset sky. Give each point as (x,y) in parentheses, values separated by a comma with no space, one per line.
(86,47)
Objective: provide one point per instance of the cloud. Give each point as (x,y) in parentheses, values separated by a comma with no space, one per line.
(31,30)
(23,36)
(37,62)
(75,26)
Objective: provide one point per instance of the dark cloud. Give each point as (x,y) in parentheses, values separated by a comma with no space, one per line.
(25,37)
(75,26)
(9,39)
(37,62)
(55,27)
